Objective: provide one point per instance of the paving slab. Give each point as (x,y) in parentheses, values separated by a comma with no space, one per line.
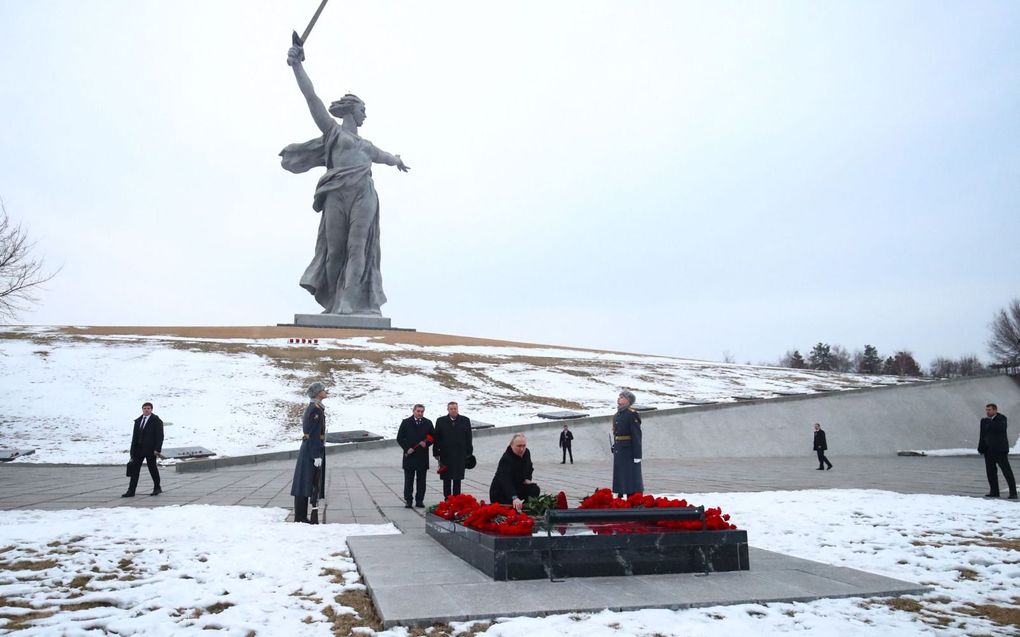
(462,592)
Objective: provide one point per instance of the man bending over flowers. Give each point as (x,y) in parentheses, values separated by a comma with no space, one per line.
(512,483)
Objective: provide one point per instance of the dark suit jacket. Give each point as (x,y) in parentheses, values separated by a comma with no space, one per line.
(453,445)
(511,473)
(820,441)
(993,435)
(144,443)
(409,435)
(565,438)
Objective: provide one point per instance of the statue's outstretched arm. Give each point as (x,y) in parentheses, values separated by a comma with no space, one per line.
(319,113)
(380,156)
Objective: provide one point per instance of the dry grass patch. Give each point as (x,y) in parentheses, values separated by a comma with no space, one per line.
(905,604)
(28,565)
(1002,615)
(548,400)
(103,603)
(994,541)
(445,630)
(80,581)
(967,573)
(21,622)
(218,607)
(364,609)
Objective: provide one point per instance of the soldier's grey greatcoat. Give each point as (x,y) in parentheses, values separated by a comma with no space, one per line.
(627,448)
(312,446)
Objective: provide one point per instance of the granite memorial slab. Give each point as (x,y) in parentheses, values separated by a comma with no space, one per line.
(643,408)
(354,435)
(478,424)
(6,455)
(183,453)
(562,415)
(579,551)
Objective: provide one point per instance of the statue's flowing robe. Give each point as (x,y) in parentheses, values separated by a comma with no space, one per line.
(353,187)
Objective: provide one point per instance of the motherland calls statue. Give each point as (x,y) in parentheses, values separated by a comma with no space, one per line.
(344,275)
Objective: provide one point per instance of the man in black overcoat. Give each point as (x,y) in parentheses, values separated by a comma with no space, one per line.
(512,483)
(820,447)
(415,436)
(452,447)
(994,445)
(566,437)
(627,447)
(146,444)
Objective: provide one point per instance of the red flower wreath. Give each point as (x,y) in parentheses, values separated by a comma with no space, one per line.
(500,519)
(715,519)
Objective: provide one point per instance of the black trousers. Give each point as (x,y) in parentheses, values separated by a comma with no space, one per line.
(451,487)
(136,470)
(567,450)
(300,509)
(412,476)
(822,459)
(1000,458)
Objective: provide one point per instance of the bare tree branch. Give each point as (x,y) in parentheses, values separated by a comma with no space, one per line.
(21,274)
(1004,344)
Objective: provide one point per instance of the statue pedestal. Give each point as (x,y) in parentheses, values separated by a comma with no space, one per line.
(355,321)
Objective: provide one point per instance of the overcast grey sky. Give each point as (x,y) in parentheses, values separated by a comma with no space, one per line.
(662,177)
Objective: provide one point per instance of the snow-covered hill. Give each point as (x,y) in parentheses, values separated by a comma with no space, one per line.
(71,393)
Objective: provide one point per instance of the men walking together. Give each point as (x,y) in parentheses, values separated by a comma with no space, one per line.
(146,444)
(994,445)
(415,436)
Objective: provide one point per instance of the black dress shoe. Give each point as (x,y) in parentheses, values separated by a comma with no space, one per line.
(1012,496)
(828,468)
(129,494)
(420,505)
(991,495)
(820,469)
(156,491)
(407,504)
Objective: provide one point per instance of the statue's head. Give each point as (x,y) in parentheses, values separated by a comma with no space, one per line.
(349,104)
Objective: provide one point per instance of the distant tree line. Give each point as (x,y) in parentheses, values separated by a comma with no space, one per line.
(836,358)
(1004,346)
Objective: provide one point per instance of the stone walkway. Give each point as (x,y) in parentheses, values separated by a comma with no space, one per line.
(373,495)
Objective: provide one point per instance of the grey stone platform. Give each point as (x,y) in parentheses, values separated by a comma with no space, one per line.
(342,320)
(459,592)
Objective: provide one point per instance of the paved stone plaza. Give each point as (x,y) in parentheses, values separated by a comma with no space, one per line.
(372,495)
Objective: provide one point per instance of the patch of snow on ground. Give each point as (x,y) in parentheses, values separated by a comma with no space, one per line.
(173,571)
(964,548)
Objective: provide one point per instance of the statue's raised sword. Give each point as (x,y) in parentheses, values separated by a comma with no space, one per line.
(300,40)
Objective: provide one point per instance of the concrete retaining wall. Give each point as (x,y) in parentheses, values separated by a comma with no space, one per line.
(876,421)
